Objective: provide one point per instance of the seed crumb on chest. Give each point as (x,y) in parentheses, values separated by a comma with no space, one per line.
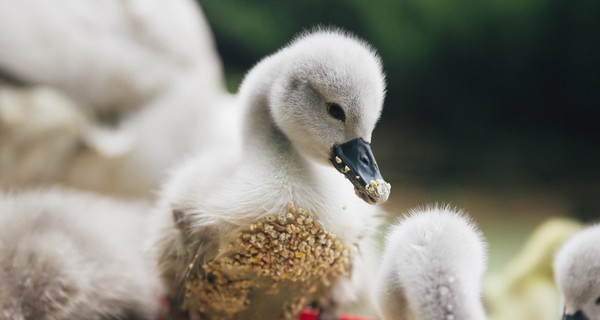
(290,247)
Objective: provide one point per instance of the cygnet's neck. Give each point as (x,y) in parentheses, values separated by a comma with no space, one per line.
(273,158)
(261,136)
(254,98)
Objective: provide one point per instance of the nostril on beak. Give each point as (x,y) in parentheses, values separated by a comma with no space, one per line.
(365,160)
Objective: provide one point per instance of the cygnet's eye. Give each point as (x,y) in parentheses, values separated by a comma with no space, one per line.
(336,112)
(598,301)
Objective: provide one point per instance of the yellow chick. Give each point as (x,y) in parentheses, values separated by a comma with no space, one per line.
(525,289)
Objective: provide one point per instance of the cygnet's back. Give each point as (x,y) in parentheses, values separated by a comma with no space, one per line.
(432,267)
(67,255)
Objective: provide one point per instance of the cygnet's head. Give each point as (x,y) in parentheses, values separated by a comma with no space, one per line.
(326,98)
(577,274)
(432,268)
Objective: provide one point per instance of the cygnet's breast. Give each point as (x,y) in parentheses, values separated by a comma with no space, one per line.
(274,254)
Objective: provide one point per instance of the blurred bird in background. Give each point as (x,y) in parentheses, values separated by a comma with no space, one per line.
(107,96)
(75,255)
(525,288)
(576,269)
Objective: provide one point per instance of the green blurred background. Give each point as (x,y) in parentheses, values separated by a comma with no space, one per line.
(491,106)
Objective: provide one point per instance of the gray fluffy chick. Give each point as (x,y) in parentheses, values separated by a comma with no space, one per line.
(68,255)
(432,267)
(577,274)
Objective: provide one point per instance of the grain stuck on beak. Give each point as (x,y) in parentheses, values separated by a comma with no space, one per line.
(356,161)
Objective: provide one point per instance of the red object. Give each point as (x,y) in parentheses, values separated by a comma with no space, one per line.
(306,314)
(309,314)
(313,314)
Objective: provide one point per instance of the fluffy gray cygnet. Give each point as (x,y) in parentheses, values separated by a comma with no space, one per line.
(577,274)
(432,267)
(260,232)
(70,255)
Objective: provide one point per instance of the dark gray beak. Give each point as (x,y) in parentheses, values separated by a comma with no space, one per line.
(579,315)
(356,161)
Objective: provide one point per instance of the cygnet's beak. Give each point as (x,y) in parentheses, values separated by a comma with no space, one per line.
(356,161)
(579,315)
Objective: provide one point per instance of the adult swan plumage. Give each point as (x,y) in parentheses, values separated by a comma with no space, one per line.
(260,233)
